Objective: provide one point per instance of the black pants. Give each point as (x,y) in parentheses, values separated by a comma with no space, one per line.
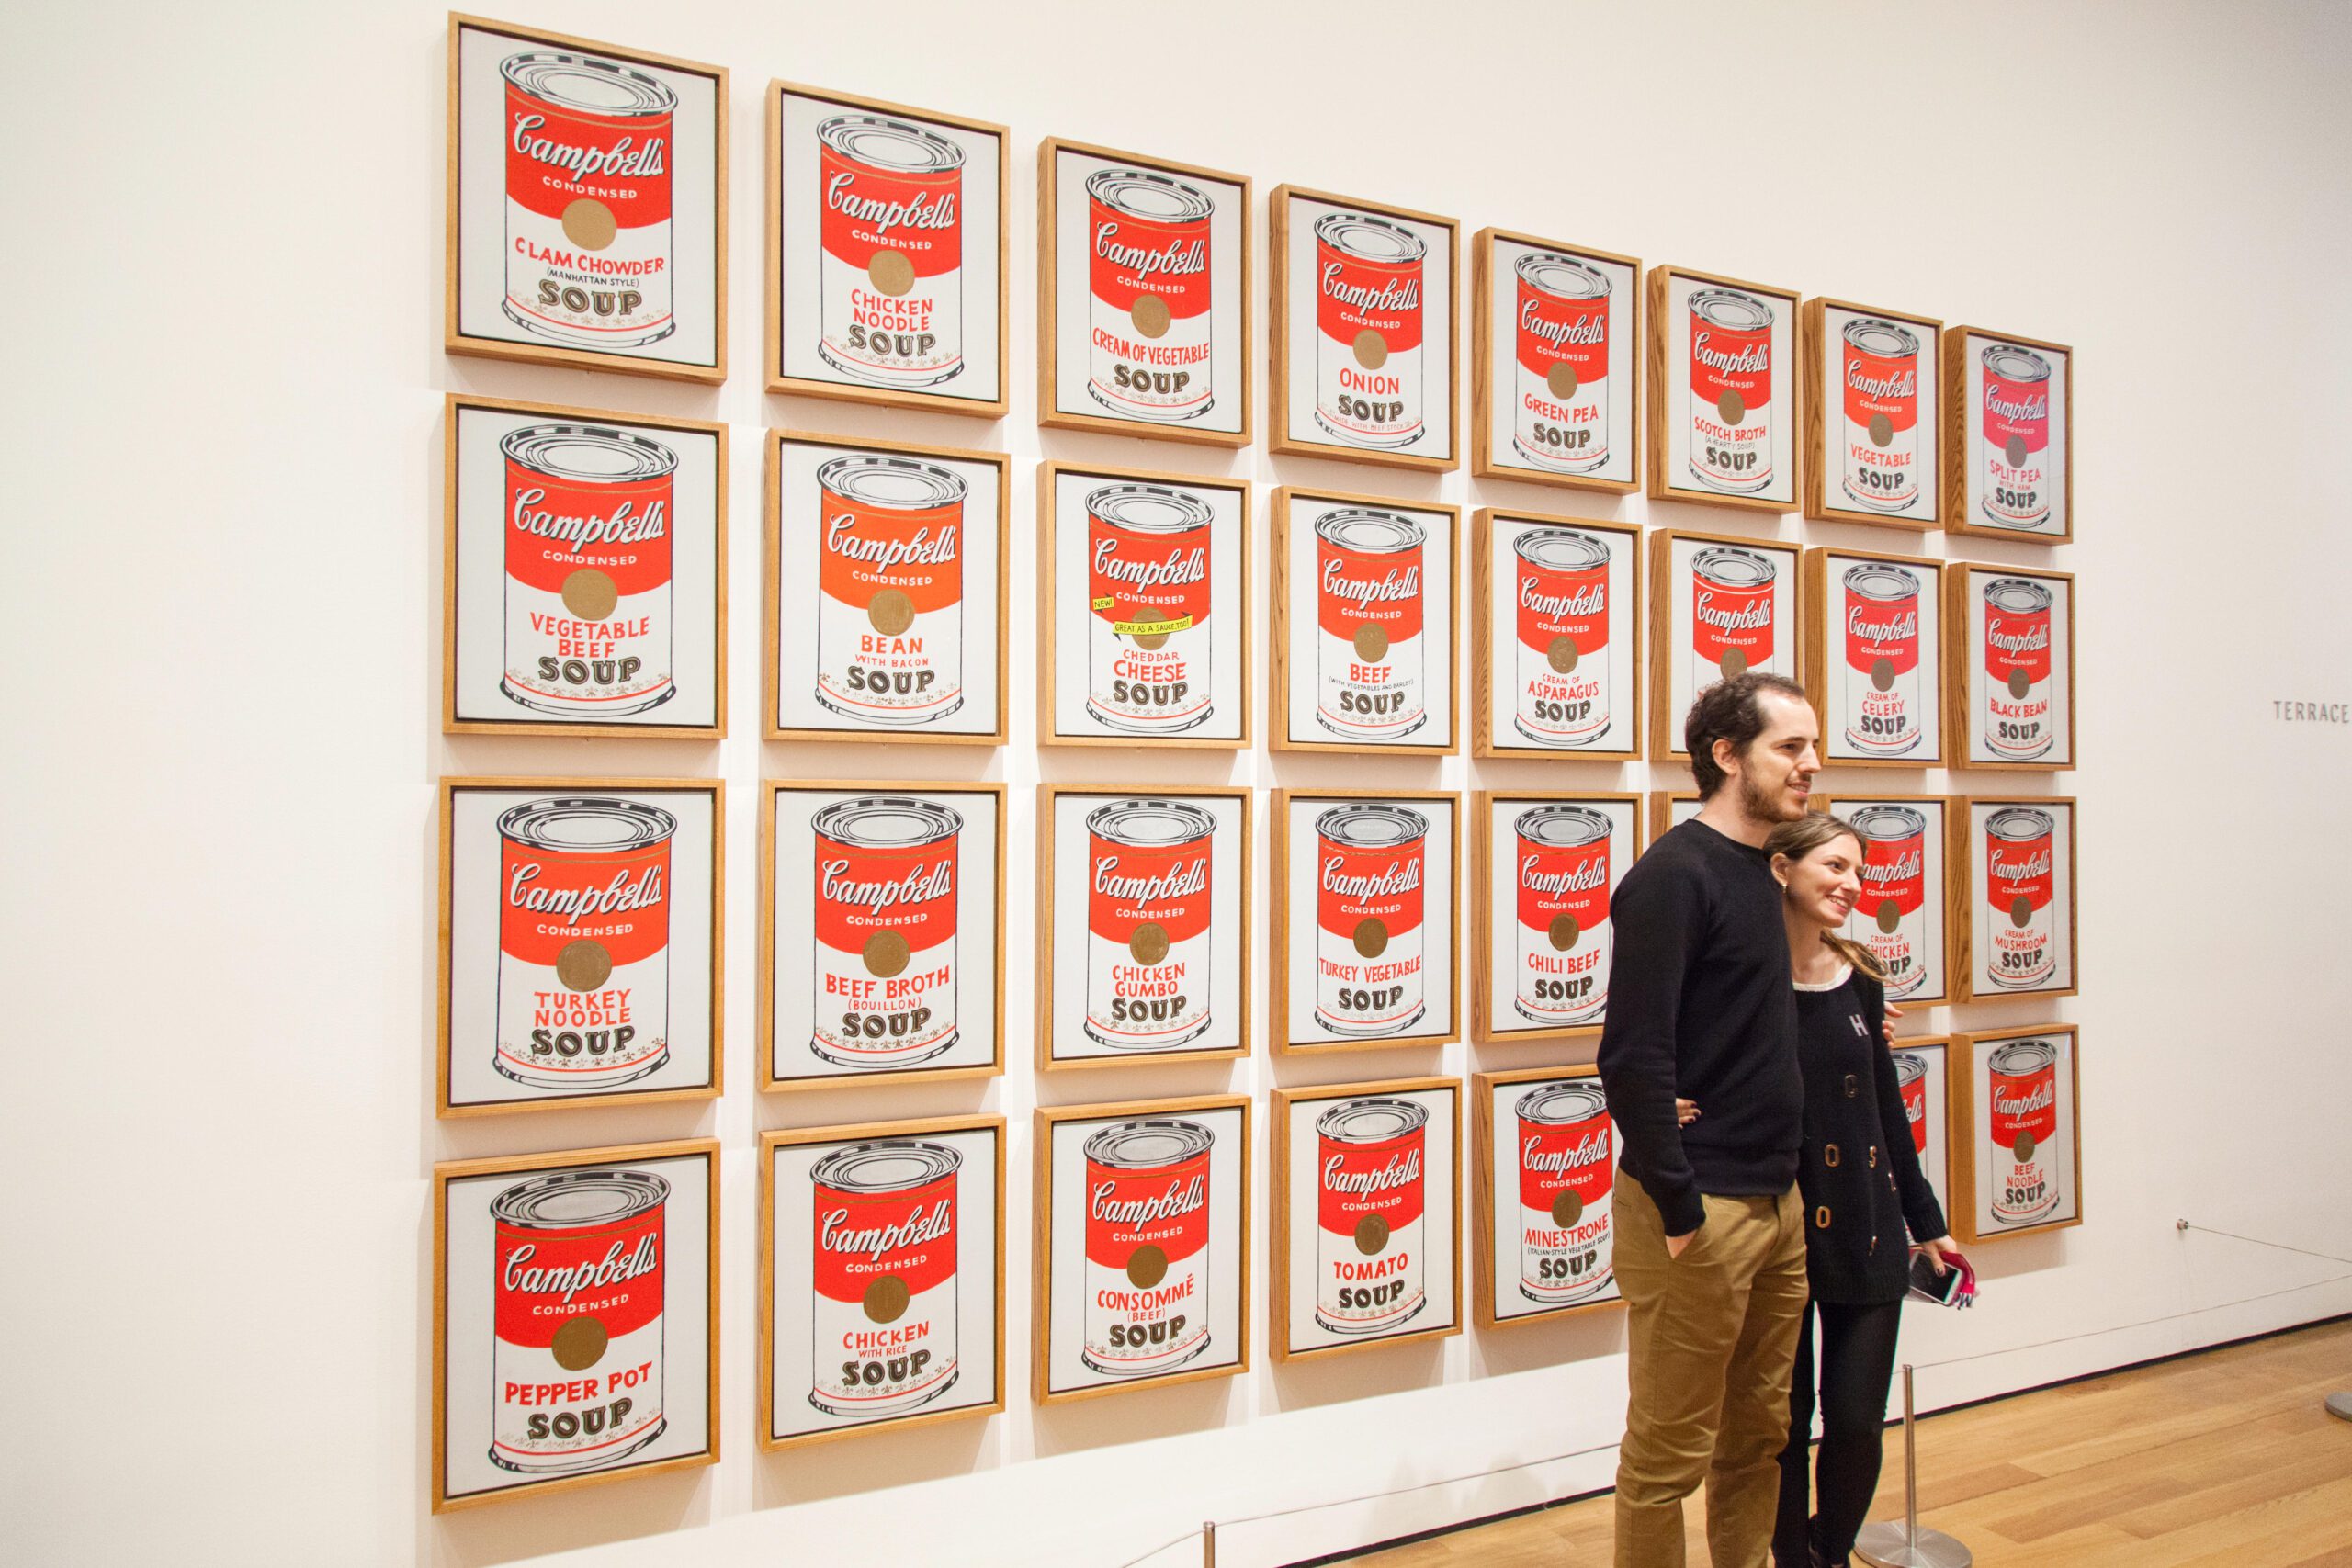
(1856,1364)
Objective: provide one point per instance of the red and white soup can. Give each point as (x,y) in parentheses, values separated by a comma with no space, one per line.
(890,283)
(1368,312)
(1370,684)
(1562,864)
(1562,420)
(1146,1246)
(2020,882)
(2016,718)
(885,885)
(890,589)
(1149,598)
(1562,590)
(1372,1181)
(1911,1083)
(1149,356)
(1567,1175)
(588,167)
(2023,1083)
(883,1312)
(1881,708)
(1147,923)
(583,942)
(588,570)
(1889,918)
(1732,628)
(576,1365)
(1370,940)
(1879,364)
(1732,377)
(2016,420)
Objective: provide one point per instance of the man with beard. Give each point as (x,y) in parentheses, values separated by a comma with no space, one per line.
(1710,1245)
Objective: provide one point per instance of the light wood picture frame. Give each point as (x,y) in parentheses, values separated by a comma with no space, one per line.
(1545,869)
(881,1277)
(2006,437)
(1753,618)
(1366,332)
(909,880)
(581,946)
(2009,684)
(887,591)
(1142,1246)
(1726,406)
(1145,296)
(1144,615)
(1367,1216)
(1556,363)
(1923,1076)
(1876,657)
(1146,893)
(523,1399)
(2013,872)
(627,275)
(1552,674)
(887,256)
(584,572)
(1367,918)
(1367,627)
(1669,809)
(1874,427)
(1911,914)
(2017,1162)
(1542,1180)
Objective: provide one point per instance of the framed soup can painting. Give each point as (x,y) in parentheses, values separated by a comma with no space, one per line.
(2008,420)
(1545,868)
(1366,623)
(1542,1175)
(1367,918)
(1726,396)
(1556,363)
(2017,1131)
(1555,630)
(587,204)
(1874,437)
(1719,606)
(1875,670)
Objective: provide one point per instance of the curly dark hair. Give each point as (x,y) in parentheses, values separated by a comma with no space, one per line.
(1730,710)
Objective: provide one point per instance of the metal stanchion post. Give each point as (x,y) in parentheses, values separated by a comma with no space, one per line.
(1208,1543)
(1889,1545)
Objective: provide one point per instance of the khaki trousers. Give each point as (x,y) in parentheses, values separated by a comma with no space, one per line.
(1710,1335)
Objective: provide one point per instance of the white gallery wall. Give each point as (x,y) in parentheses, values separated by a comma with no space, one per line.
(224,552)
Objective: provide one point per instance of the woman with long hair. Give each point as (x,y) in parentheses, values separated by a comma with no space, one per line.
(1863,1191)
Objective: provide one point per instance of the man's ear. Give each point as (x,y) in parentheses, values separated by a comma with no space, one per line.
(1726,755)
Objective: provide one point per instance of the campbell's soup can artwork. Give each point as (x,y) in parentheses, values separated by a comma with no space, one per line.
(1368,305)
(1883,714)
(1370,939)
(1372,684)
(885,887)
(1880,368)
(1911,1083)
(890,589)
(2017,667)
(1147,923)
(1149,354)
(583,942)
(2019,884)
(588,166)
(1562,861)
(1146,1246)
(890,280)
(588,570)
(1731,376)
(576,1371)
(1148,600)
(2015,479)
(884,1309)
(1733,629)
(1562,594)
(1372,1183)
(2023,1084)
(1567,1171)
(1890,916)
(1562,420)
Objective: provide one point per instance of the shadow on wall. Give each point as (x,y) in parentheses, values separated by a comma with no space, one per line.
(520,1528)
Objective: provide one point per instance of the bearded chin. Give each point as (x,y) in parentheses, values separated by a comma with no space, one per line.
(1760,804)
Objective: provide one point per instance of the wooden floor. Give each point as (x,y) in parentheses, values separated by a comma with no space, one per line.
(2227,1457)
